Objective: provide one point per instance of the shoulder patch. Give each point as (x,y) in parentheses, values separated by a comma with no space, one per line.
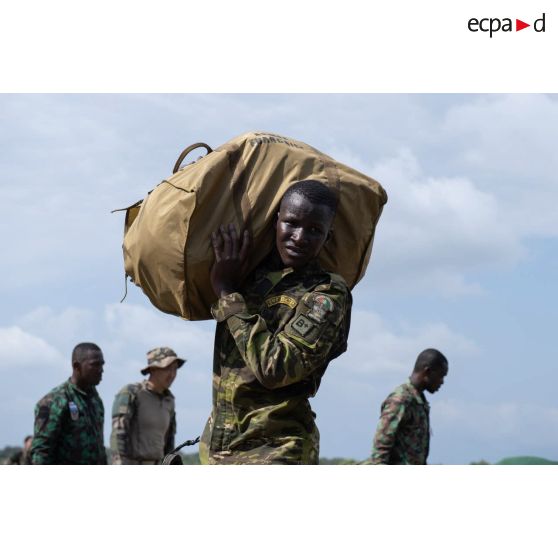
(302,325)
(74,411)
(321,306)
(280,299)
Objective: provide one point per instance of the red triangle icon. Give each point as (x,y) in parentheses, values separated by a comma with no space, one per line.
(519,25)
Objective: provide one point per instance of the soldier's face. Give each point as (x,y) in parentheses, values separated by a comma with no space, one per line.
(302,228)
(435,378)
(162,378)
(91,368)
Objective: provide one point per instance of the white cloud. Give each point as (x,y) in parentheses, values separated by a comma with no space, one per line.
(375,349)
(526,424)
(29,367)
(508,142)
(436,229)
(19,349)
(510,134)
(128,323)
(64,329)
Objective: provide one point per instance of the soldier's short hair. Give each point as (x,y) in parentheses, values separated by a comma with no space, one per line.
(80,351)
(315,192)
(432,358)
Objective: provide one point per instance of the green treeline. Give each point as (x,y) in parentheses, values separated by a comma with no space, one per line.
(194,459)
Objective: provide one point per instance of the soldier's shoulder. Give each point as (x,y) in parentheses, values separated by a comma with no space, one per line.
(59,393)
(338,280)
(126,397)
(332,281)
(334,285)
(401,394)
(130,388)
(127,394)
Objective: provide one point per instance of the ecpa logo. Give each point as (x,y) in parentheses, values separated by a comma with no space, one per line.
(492,25)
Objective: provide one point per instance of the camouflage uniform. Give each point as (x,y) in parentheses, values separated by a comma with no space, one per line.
(69,428)
(21,457)
(403,433)
(273,343)
(125,430)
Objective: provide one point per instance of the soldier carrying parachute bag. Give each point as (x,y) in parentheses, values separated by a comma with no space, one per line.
(291,232)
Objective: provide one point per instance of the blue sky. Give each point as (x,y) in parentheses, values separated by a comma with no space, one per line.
(464,255)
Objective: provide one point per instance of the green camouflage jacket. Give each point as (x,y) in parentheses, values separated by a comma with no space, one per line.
(403,433)
(69,428)
(126,435)
(273,343)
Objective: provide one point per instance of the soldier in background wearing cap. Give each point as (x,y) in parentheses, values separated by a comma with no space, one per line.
(143,414)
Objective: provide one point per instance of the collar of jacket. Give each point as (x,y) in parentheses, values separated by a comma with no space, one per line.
(419,396)
(145,385)
(273,269)
(73,387)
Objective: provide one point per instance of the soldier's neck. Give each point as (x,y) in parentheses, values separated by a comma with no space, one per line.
(417,382)
(154,387)
(80,385)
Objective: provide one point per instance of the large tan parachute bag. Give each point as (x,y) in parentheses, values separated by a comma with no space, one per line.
(167,246)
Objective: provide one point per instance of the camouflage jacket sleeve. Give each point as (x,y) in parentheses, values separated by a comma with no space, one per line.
(305,344)
(171,432)
(49,414)
(122,413)
(393,411)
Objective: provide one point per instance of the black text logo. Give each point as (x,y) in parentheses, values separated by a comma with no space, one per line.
(493,25)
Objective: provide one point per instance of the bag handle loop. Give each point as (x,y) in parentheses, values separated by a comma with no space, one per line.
(186,151)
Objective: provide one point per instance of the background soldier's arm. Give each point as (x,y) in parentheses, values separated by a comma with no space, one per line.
(47,430)
(122,411)
(280,358)
(171,432)
(393,411)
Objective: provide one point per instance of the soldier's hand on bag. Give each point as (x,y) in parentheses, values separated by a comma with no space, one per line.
(231,257)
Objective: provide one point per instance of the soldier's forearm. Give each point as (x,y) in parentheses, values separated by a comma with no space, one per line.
(119,435)
(276,360)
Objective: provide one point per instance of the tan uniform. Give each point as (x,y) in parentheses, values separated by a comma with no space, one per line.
(143,425)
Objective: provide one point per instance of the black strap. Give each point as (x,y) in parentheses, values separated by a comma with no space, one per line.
(186,443)
(174,458)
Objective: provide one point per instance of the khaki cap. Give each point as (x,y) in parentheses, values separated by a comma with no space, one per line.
(161,357)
